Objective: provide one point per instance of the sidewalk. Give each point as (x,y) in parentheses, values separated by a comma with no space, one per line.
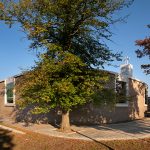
(131,130)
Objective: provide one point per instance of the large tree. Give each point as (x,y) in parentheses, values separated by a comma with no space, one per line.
(72,33)
(63,83)
(145,51)
(78,26)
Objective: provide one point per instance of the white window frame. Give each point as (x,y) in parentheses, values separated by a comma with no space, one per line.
(126,104)
(5,96)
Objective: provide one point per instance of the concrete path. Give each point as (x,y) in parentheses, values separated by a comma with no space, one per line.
(131,130)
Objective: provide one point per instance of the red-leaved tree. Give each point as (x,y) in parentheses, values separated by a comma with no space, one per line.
(145,51)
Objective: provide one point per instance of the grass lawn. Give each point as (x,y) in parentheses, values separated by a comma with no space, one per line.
(35,141)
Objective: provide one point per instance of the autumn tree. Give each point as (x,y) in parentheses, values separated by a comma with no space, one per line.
(72,34)
(62,83)
(145,51)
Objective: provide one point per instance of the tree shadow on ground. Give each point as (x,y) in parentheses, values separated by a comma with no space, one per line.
(94,140)
(6,140)
(132,129)
(129,128)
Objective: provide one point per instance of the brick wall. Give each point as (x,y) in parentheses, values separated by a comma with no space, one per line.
(89,113)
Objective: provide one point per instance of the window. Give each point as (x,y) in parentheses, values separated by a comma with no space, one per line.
(121,91)
(146,96)
(9,92)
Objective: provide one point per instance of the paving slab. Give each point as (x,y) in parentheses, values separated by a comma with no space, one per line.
(121,131)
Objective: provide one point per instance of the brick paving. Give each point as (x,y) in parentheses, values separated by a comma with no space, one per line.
(129,130)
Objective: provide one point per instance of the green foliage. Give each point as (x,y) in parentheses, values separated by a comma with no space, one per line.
(77,26)
(63,82)
(72,33)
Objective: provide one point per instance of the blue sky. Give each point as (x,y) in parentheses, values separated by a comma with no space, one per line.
(15,53)
(125,35)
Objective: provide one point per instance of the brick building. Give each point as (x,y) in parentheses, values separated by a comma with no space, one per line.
(89,113)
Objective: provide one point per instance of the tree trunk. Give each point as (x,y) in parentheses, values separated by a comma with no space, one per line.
(65,122)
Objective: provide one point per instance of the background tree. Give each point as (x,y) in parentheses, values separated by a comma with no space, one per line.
(145,44)
(68,30)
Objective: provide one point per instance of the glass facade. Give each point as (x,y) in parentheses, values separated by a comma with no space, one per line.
(9,91)
(121,91)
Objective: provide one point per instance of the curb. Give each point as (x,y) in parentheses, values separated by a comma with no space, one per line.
(11,129)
